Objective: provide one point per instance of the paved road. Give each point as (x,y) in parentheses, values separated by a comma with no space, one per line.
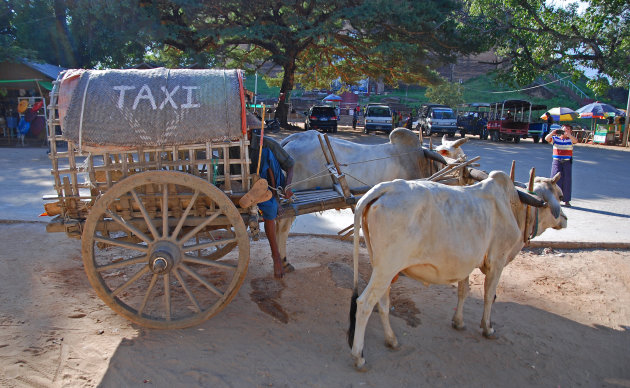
(601,186)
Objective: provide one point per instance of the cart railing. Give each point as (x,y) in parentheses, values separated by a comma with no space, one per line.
(80,177)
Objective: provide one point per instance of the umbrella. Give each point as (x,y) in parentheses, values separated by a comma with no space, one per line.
(598,110)
(561,114)
(332,97)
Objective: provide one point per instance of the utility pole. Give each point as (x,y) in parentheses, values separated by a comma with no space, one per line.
(626,125)
(255,88)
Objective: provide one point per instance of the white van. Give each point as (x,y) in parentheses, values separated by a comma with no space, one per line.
(437,118)
(378,118)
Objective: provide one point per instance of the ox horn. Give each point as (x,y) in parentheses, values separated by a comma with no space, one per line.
(556,178)
(476,174)
(459,142)
(529,198)
(430,154)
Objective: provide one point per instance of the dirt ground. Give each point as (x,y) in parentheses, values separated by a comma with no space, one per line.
(562,316)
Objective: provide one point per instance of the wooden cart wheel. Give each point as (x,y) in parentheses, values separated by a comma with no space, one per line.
(157,249)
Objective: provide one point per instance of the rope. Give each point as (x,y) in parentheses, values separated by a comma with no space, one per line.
(517,90)
(359,180)
(81,117)
(325,172)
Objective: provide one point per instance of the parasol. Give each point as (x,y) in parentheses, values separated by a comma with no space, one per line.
(561,114)
(332,98)
(598,110)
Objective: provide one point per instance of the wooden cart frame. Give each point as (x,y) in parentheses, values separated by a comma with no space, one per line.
(159,226)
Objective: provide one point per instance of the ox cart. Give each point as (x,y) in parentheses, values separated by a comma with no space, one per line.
(149,167)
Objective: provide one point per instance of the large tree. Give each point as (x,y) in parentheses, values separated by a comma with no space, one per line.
(535,36)
(315,40)
(74,33)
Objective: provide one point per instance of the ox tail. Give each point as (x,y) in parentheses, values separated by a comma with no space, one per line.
(360,215)
(355,265)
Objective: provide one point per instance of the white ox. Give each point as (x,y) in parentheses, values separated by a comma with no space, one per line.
(452,149)
(404,223)
(363,164)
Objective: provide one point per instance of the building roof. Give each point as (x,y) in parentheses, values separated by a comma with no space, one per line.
(50,71)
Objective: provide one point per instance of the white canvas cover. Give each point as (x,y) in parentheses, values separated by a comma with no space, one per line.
(155,107)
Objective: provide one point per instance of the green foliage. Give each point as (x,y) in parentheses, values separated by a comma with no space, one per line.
(75,33)
(448,93)
(535,36)
(316,41)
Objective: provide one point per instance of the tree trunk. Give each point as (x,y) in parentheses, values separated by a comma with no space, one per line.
(287,86)
(67,56)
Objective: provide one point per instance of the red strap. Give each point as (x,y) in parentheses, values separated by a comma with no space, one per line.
(243,110)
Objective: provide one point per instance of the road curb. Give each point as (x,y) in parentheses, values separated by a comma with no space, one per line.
(532,244)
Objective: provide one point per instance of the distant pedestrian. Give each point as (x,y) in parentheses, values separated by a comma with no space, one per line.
(563,140)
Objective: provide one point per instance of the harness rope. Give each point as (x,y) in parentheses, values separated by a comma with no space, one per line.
(325,172)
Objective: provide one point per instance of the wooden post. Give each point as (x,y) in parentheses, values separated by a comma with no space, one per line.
(530,187)
(262,132)
(321,143)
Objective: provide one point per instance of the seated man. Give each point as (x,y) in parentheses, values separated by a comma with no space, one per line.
(274,162)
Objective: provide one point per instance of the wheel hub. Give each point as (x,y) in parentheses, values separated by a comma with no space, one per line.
(164,257)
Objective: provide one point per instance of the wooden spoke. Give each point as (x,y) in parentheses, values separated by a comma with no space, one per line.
(199,227)
(128,226)
(129,282)
(164,211)
(146,295)
(123,244)
(201,280)
(184,285)
(123,263)
(145,214)
(211,263)
(180,223)
(167,296)
(208,244)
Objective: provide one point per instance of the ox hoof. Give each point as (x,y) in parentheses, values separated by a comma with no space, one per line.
(393,345)
(492,334)
(458,326)
(359,365)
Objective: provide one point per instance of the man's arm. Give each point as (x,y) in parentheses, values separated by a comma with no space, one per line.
(550,135)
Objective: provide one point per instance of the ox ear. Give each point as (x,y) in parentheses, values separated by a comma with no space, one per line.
(429,154)
(459,142)
(444,139)
(529,198)
(556,178)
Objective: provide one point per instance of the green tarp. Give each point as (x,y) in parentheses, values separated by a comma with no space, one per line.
(44,84)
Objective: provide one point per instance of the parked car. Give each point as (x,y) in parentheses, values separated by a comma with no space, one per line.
(436,118)
(472,118)
(378,118)
(321,117)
